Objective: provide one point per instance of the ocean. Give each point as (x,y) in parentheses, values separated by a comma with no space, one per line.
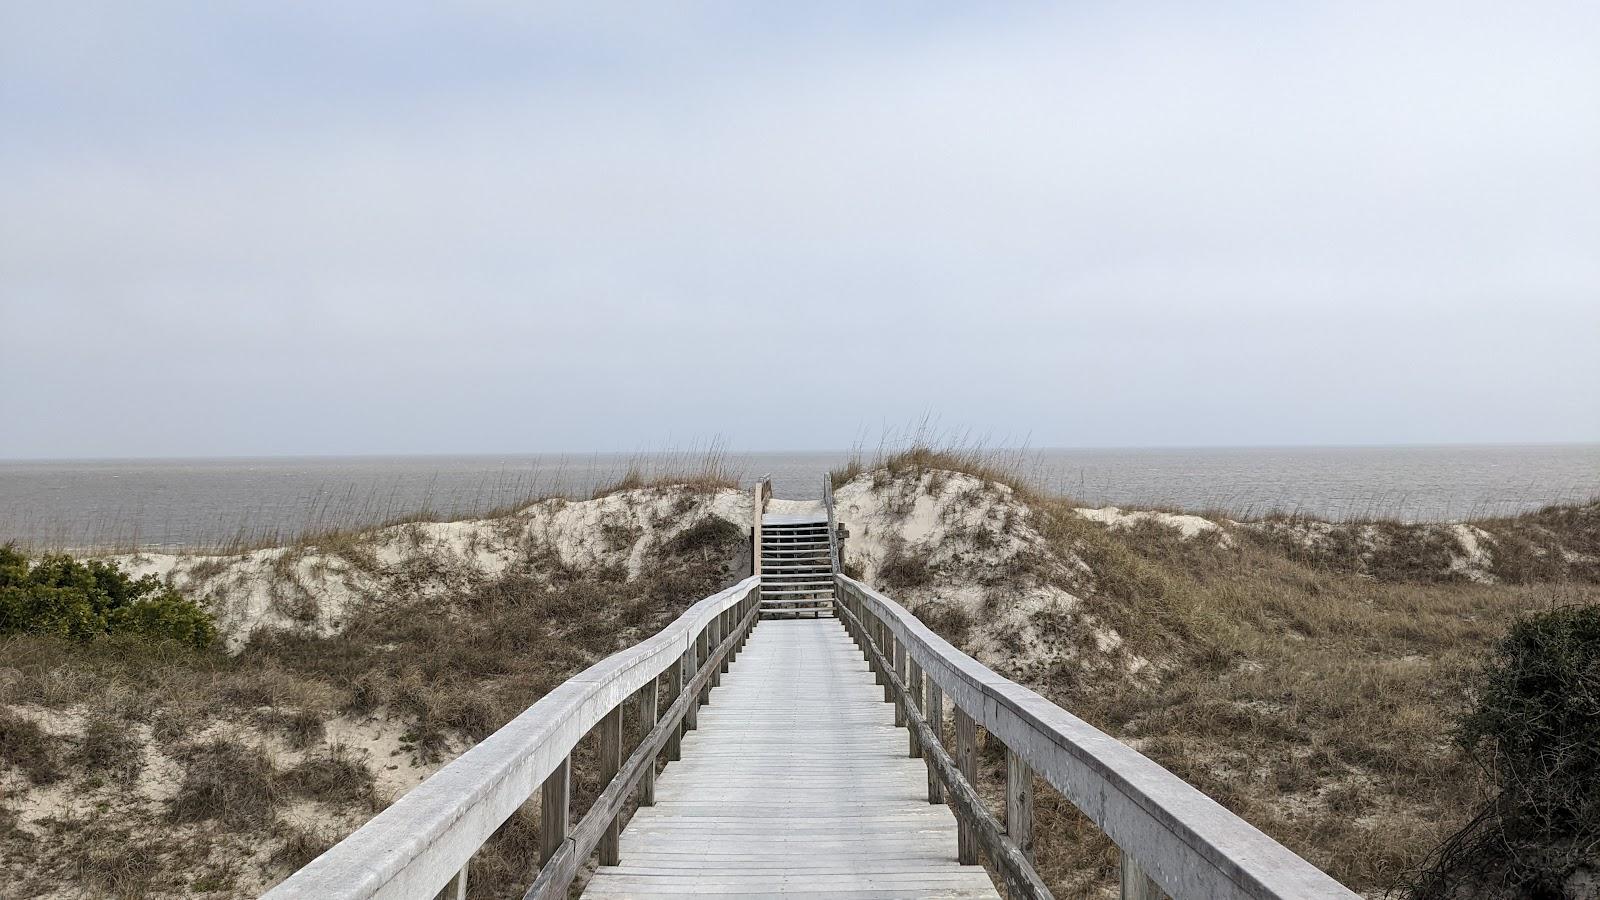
(212,502)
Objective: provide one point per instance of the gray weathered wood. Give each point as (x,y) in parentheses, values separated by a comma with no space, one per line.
(1021,879)
(914,685)
(456,889)
(1019,803)
(900,670)
(674,691)
(610,763)
(1136,885)
(933,711)
(649,700)
(555,812)
(967,761)
(753,809)
(691,719)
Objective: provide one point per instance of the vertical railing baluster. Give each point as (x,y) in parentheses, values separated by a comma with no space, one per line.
(703,653)
(1019,803)
(649,715)
(610,764)
(555,798)
(933,710)
(691,665)
(888,647)
(900,672)
(967,762)
(914,688)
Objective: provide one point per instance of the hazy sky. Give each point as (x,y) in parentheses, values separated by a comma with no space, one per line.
(260,228)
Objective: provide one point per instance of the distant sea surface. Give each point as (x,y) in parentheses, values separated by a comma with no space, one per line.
(211,502)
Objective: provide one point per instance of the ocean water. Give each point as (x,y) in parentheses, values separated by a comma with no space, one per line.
(208,502)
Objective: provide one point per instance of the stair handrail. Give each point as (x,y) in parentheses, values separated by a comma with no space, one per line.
(1171,835)
(421,845)
(758,502)
(833,537)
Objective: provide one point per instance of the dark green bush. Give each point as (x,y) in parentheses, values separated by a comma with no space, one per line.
(1536,730)
(61,596)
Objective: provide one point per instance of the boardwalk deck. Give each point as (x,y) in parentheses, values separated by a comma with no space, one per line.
(796,784)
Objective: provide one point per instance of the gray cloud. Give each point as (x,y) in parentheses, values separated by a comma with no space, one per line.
(381,229)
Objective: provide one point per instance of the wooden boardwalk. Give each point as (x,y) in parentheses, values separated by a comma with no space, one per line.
(796,783)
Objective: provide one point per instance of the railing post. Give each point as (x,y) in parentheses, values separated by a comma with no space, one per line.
(914,688)
(1136,885)
(967,762)
(688,666)
(900,672)
(933,711)
(723,630)
(889,646)
(649,715)
(610,764)
(713,641)
(1019,803)
(702,653)
(555,797)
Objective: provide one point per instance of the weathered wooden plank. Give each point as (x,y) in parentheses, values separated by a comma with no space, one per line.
(610,762)
(555,812)
(1019,803)
(649,700)
(933,711)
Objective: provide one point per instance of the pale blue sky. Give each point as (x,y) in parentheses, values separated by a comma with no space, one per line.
(277,228)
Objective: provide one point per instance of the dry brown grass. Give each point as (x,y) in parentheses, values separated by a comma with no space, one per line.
(701,472)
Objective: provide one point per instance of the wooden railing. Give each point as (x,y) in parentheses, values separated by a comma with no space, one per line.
(759,497)
(1173,838)
(833,526)
(422,845)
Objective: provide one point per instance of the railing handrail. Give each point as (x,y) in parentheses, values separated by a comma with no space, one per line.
(417,845)
(1187,842)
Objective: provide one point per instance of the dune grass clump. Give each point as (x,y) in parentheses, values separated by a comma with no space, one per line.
(227,781)
(701,472)
(26,747)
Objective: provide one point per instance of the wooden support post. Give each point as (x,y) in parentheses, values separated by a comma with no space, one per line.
(1136,885)
(890,648)
(554,810)
(703,652)
(914,688)
(674,688)
(713,640)
(900,672)
(610,764)
(933,711)
(723,630)
(1019,803)
(649,706)
(967,762)
(691,665)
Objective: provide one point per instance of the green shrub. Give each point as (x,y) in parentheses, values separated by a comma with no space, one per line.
(1536,730)
(61,596)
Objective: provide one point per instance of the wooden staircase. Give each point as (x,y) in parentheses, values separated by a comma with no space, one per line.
(796,566)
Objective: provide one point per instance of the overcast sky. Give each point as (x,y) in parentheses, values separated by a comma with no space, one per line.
(283,228)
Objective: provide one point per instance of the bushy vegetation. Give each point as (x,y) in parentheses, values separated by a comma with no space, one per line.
(62,596)
(1535,730)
